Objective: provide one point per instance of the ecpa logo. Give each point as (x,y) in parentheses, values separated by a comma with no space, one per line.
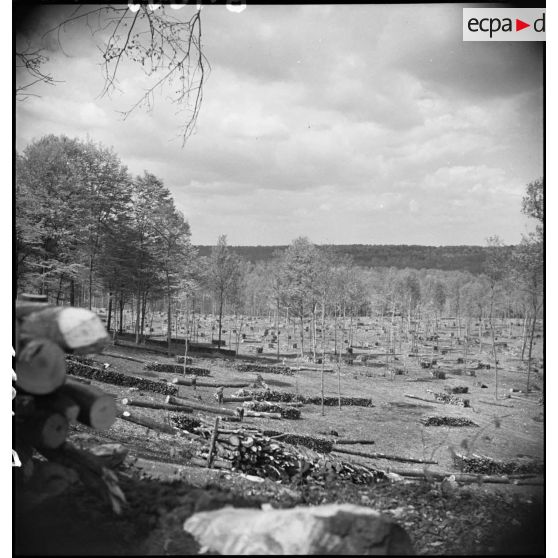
(504,24)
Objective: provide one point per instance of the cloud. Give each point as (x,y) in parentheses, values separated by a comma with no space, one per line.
(362,123)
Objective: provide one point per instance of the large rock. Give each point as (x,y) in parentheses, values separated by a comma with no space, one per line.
(327,529)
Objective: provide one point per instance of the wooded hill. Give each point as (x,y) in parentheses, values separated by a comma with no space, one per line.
(448,258)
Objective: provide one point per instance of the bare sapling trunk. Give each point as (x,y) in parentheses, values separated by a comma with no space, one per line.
(524,336)
(221,301)
(531,337)
(109,315)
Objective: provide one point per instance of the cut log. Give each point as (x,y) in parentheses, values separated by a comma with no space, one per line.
(74,329)
(149,423)
(351,442)
(232,399)
(261,414)
(96,408)
(60,403)
(493,403)
(383,456)
(201,383)
(156,405)
(176,401)
(114,355)
(40,367)
(46,430)
(468,478)
(217,463)
(423,399)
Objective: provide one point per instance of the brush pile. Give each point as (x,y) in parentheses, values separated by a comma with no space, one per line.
(487,466)
(47,402)
(81,370)
(177,369)
(452,399)
(447,421)
(287,397)
(284,370)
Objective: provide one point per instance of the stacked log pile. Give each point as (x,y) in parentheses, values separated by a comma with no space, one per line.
(284,370)
(82,370)
(254,453)
(177,369)
(452,399)
(484,465)
(287,397)
(268,407)
(46,401)
(447,421)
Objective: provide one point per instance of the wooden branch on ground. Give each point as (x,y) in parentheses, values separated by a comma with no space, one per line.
(496,404)
(383,456)
(423,399)
(40,366)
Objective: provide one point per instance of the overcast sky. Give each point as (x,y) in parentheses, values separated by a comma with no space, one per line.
(364,124)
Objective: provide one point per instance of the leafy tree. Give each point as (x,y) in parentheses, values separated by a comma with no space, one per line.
(223,275)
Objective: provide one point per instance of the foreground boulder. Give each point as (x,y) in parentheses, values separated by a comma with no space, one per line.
(328,529)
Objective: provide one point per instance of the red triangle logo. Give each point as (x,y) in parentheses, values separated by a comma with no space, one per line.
(519,25)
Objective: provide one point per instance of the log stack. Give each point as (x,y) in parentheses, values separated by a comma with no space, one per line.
(85,368)
(177,369)
(447,421)
(268,407)
(287,397)
(47,401)
(481,464)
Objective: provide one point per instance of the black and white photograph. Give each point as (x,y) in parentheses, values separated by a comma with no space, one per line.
(278,279)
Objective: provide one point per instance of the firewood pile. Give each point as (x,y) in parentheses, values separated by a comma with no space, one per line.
(287,397)
(438,374)
(452,399)
(447,421)
(254,453)
(47,402)
(185,422)
(82,370)
(487,466)
(177,369)
(456,389)
(284,370)
(268,407)
(320,445)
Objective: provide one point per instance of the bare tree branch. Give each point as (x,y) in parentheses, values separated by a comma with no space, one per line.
(167,49)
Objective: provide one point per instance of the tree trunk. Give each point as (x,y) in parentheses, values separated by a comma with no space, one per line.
(59,291)
(109,317)
(143,309)
(524,335)
(120,324)
(221,301)
(72,293)
(531,336)
(169,325)
(90,279)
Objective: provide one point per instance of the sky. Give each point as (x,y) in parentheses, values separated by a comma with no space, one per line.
(367,124)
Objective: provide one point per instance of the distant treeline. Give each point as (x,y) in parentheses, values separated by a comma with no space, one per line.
(447,258)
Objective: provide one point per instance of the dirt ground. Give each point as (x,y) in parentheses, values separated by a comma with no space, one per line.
(162,490)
